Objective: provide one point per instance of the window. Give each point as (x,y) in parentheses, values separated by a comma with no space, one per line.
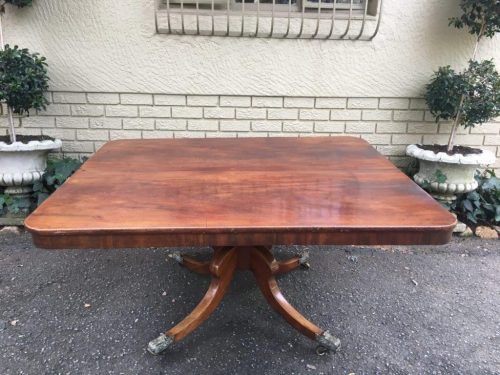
(305,19)
(266,4)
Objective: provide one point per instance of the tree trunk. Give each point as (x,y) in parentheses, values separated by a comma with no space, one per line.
(11,126)
(456,121)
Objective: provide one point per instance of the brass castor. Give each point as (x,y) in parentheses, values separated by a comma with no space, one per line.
(327,343)
(321,350)
(159,344)
(304,260)
(176,256)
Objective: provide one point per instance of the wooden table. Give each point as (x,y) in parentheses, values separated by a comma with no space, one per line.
(239,196)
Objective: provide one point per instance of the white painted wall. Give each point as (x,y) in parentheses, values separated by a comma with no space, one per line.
(111,46)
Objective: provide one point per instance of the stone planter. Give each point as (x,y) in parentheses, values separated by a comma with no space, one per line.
(459,171)
(23,164)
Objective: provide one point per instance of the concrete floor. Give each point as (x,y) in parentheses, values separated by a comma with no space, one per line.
(398,310)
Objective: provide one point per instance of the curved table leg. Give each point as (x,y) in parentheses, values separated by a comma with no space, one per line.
(264,267)
(191,263)
(293,263)
(222,268)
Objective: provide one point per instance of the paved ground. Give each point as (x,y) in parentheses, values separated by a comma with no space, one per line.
(398,311)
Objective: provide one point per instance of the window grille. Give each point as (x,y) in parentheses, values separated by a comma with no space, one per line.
(285,19)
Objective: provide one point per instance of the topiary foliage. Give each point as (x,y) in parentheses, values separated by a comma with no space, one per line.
(444,92)
(23,79)
(481,17)
(482,93)
(480,86)
(20,3)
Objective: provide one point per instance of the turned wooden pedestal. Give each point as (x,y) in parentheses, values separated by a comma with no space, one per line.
(260,261)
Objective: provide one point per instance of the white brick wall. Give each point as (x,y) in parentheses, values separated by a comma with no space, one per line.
(86,121)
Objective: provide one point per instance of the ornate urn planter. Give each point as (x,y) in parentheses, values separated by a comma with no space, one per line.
(448,175)
(23,164)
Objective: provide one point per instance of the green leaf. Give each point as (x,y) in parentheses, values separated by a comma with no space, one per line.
(41,197)
(468,206)
(440,176)
(471,218)
(493,183)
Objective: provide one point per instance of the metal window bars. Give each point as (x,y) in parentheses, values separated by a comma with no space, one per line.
(285,19)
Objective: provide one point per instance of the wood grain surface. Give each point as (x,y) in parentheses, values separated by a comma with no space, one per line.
(237,192)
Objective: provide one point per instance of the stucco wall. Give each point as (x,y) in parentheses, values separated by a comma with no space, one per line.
(113,76)
(112,46)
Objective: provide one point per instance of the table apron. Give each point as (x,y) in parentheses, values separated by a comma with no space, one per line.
(61,240)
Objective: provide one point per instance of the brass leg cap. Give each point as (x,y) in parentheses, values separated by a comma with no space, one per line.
(176,256)
(159,344)
(328,341)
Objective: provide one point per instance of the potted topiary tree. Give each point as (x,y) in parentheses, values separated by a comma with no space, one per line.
(23,82)
(468,99)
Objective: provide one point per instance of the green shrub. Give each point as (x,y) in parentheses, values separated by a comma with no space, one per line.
(23,79)
(55,175)
(481,17)
(481,206)
(19,3)
(444,92)
(479,85)
(13,205)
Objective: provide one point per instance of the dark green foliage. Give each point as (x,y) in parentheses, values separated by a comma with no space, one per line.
(482,93)
(56,173)
(19,3)
(439,177)
(23,79)
(481,17)
(12,205)
(481,206)
(443,93)
(411,168)
(480,85)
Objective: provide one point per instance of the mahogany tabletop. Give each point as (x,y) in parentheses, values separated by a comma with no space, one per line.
(238,192)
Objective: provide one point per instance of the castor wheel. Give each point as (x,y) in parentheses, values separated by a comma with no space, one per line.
(327,343)
(303,260)
(176,256)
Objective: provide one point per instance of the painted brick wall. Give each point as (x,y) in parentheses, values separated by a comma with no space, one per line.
(85,121)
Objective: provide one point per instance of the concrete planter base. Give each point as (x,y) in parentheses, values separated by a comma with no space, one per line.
(17,220)
(459,171)
(23,164)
